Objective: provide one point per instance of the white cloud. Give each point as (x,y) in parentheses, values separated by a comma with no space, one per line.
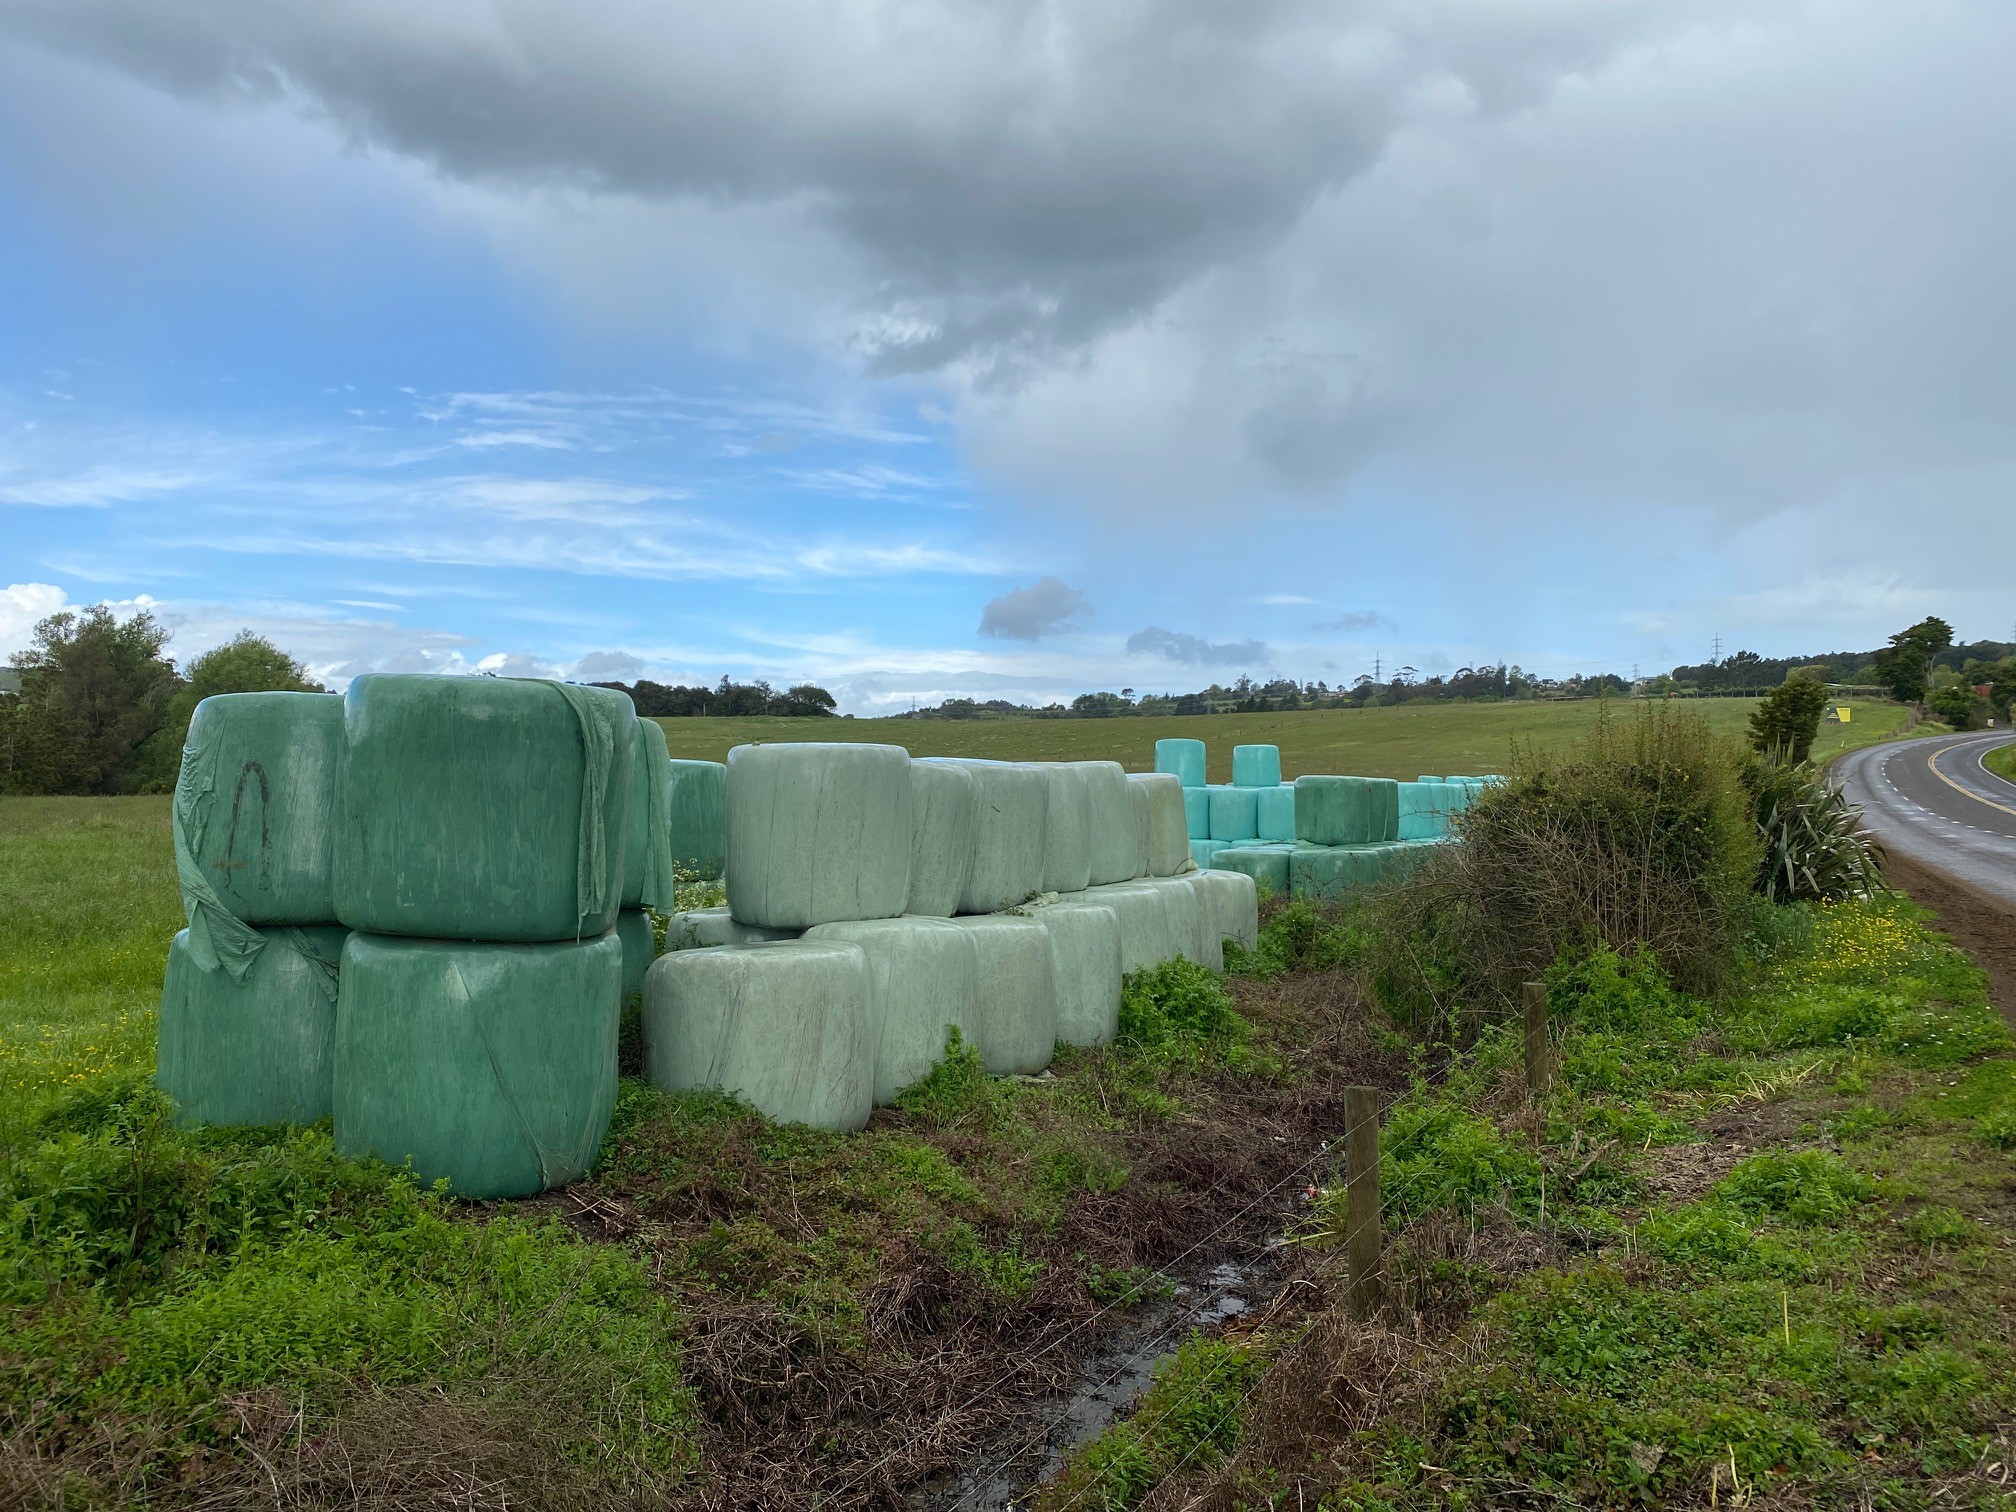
(22,607)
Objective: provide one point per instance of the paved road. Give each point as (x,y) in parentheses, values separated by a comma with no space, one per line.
(1932,800)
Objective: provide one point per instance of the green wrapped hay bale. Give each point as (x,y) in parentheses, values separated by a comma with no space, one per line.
(483,808)
(490,1066)
(1181,759)
(1190,933)
(1322,872)
(251,821)
(1384,805)
(1424,810)
(1014,993)
(1085,963)
(944,813)
(818,832)
(1067,828)
(1346,810)
(1202,851)
(640,947)
(1197,812)
(1116,838)
(698,816)
(1274,812)
(787,1027)
(1256,766)
(1235,813)
(647,858)
(1231,902)
(1425,778)
(1145,938)
(1011,815)
(256,1049)
(1158,819)
(704,928)
(923,975)
(1266,864)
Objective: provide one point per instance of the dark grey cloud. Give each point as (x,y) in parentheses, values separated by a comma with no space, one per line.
(1195,651)
(1045,607)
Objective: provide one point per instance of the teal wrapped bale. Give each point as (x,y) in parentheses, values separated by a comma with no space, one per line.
(1425,778)
(1202,851)
(640,947)
(1274,813)
(257,1049)
(482,808)
(1145,938)
(1385,810)
(1067,828)
(923,975)
(705,928)
(698,816)
(490,1066)
(1014,993)
(1158,817)
(1324,872)
(1085,962)
(1011,813)
(1181,759)
(1197,812)
(1117,855)
(1265,864)
(1424,810)
(1256,766)
(944,815)
(787,1027)
(818,832)
(647,856)
(1231,903)
(1234,813)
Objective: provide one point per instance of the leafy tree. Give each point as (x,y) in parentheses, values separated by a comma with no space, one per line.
(92,691)
(1956,705)
(247,663)
(1786,721)
(806,700)
(1906,666)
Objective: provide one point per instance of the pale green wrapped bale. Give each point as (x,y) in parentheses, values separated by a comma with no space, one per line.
(1202,851)
(1197,812)
(1346,810)
(1190,932)
(1256,766)
(1232,903)
(1145,938)
(1117,854)
(944,814)
(1234,813)
(1274,813)
(490,1066)
(1011,817)
(787,1027)
(1067,830)
(256,1050)
(1181,759)
(640,947)
(1385,809)
(1085,961)
(698,816)
(251,822)
(705,928)
(1014,993)
(923,976)
(1324,872)
(483,808)
(647,859)
(1158,819)
(1424,810)
(817,833)
(1266,864)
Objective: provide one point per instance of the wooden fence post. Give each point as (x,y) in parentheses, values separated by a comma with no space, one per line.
(1539,1051)
(1365,1237)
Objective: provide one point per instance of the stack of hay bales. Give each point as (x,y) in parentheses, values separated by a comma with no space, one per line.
(1257,807)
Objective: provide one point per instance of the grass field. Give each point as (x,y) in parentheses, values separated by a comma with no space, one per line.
(1401,742)
(2002,761)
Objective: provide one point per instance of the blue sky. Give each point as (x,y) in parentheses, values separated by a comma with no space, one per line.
(574,351)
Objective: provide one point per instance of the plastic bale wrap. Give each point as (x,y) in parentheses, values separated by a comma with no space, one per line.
(640,947)
(1202,851)
(943,814)
(483,808)
(1344,810)
(1232,903)
(818,832)
(1116,838)
(647,858)
(923,975)
(1403,858)
(1263,863)
(1015,993)
(1256,766)
(1423,810)
(1190,934)
(1235,813)
(1197,812)
(698,816)
(1384,804)
(1424,777)
(704,928)
(1322,872)
(787,1027)
(1145,939)
(1274,813)
(1085,961)
(1067,828)
(492,1066)
(1181,759)
(1158,817)
(1011,811)
(257,1049)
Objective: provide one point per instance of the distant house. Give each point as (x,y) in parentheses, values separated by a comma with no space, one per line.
(10,680)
